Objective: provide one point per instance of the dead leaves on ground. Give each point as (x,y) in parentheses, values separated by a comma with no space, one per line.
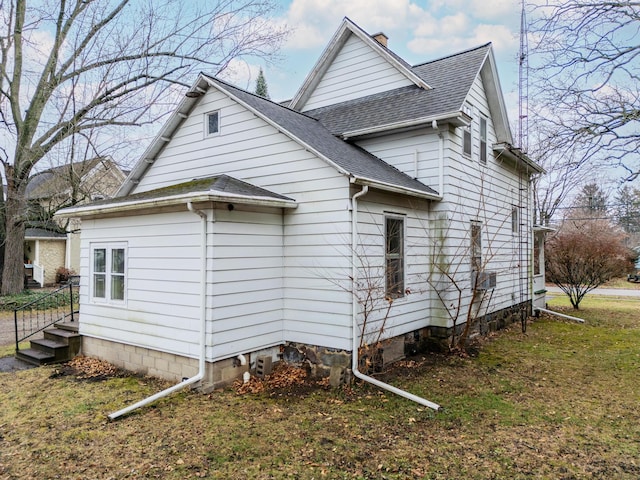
(284,377)
(86,368)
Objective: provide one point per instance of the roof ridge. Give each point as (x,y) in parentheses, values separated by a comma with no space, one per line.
(463,52)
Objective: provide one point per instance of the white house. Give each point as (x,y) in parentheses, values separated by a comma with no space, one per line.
(251,230)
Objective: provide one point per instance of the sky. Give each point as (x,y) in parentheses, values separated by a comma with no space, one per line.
(418,31)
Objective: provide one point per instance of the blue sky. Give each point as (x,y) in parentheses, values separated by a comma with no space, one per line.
(418,31)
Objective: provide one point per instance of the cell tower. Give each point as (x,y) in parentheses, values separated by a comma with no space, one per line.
(523,84)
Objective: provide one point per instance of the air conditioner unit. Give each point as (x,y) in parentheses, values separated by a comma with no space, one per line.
(483,280)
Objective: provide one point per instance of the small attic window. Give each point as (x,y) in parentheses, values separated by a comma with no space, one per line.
(212,123)
(466,141)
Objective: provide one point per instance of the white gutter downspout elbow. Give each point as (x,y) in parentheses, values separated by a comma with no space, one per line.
(203,328)
(354,314)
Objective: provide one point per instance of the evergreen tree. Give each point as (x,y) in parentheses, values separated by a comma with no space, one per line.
(591,201)
(627,209)
(261,85)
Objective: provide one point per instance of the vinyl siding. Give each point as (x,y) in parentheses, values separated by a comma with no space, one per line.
(357,71)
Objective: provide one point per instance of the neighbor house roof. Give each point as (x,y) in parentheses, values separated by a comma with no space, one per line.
(221,188)
(41,233)
(56,180)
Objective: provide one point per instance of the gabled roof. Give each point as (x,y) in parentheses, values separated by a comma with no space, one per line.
(350,159)
(56,180)
(220,188)
(354,162)
(451,79)
(346,29)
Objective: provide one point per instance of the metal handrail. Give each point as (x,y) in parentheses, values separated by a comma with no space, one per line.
(41,313)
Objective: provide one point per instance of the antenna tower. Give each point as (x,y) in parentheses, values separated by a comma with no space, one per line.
(523,83)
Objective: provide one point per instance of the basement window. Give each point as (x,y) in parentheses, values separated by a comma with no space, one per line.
(108,273)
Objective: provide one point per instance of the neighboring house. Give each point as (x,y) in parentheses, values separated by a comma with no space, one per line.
(247,220)
(51,244)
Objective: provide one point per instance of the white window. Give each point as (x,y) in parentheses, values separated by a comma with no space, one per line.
(108,273)
(483,140)
(515,220)
(466,141)
(394,256)
(212,123)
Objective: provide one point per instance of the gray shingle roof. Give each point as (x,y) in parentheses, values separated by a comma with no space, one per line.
(451,79)
(350,158)
(54,180)
(42,233)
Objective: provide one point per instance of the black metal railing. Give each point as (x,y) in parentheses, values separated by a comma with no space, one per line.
(60,305)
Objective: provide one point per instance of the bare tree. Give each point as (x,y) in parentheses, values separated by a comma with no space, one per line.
(583,255)
(73,66)
(585,71)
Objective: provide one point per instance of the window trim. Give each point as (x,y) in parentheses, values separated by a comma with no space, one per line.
(108,273)
(207,133)
(399,258)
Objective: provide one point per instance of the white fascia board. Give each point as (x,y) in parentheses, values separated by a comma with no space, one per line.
(132,205)
(457,118)
(279,128)
(489,76)
(515,155)
(178,116)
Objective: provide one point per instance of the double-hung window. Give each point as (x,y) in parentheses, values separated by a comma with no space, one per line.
(394,256)
(109,273)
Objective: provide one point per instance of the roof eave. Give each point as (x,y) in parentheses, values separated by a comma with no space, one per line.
(162,138)
(172,200)
(389,187)
(516,155)
(456,118)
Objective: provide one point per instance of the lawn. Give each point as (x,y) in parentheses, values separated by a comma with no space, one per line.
(559,402)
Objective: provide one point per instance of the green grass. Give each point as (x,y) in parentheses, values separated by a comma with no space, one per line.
(557,402)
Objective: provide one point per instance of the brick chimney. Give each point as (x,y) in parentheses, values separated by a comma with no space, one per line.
(381,38)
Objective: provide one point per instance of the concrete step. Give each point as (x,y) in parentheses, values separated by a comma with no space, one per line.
(35,357)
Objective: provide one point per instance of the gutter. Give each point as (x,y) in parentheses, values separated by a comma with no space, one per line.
(203,328)
(173,200)
(456,118)
(389,187)
(354,315)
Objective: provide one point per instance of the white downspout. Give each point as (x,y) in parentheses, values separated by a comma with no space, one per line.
(354,314)
(551,312)
(203,327)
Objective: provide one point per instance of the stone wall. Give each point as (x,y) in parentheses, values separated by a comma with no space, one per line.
(51,256)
